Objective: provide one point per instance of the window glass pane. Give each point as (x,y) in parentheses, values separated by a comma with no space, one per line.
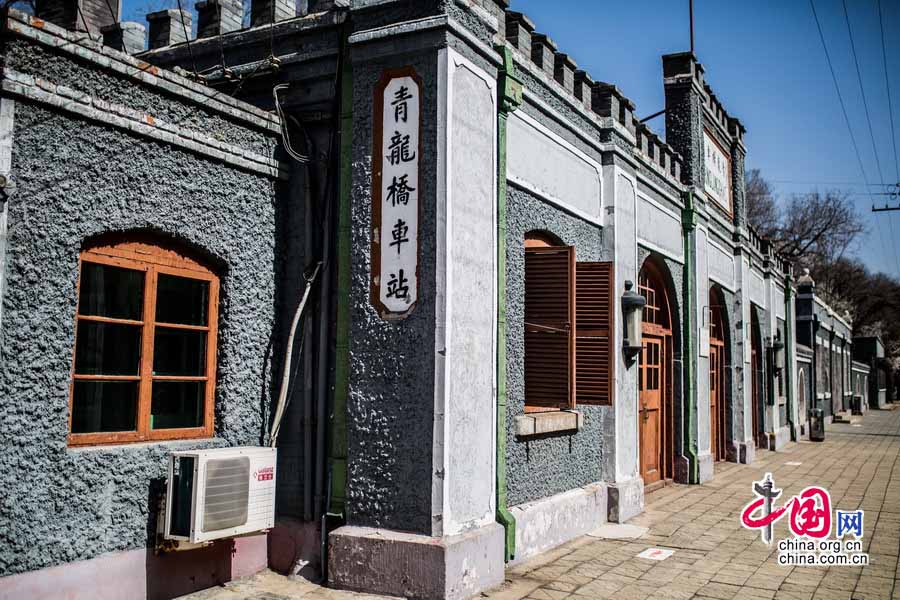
(179,352)
(182,301)
(177,404)
(104,406)
(111,292)
(107,349)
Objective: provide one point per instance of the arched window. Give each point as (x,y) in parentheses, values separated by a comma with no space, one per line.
(145,346)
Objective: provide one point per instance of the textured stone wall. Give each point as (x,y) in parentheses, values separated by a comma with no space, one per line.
(390,410)
(31,59)
(100,145)
(547,465)
(77,179)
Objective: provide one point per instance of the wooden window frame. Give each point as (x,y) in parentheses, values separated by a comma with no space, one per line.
(544,241)
(151,259)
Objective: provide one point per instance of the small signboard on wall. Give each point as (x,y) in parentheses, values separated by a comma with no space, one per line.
(704,341)
(716,172)
(395,193)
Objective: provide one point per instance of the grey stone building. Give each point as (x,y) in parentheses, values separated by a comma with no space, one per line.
(879,390)
(829,337)
(124,184)
(529,311)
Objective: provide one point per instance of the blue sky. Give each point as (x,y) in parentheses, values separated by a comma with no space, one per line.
(764,60)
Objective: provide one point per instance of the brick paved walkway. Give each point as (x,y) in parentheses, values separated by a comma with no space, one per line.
(715,557)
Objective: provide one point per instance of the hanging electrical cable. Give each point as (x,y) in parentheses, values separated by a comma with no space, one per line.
(285,134)
(87,31)
(282,403)
(187,38)
(226,73)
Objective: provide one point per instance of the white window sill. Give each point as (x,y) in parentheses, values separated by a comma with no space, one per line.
(549,422)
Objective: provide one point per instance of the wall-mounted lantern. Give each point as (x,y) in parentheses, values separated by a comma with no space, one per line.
(633,313)
(777,347)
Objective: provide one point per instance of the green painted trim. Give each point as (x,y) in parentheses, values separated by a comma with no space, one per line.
(510,98)
(338,451)
(689,395)
(789,350)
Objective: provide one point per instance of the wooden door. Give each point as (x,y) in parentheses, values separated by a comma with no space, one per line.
(718,436)
(714,400)
(652,386)
(756,374)
(717,408)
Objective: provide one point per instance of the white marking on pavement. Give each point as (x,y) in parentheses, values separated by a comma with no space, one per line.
(656,553)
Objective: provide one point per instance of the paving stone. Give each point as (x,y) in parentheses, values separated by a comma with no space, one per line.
(723,591)
(715,557)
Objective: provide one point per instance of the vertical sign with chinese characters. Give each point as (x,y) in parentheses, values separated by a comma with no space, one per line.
(716,172)
(395,213)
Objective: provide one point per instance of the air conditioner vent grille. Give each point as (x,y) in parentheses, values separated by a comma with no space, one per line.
(227,491)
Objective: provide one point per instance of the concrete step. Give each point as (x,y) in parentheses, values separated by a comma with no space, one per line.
(845,416)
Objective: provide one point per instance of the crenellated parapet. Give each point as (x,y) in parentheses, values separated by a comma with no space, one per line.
(597,98)
(660,154)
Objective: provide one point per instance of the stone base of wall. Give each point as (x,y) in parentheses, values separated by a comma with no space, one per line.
(779,439)
(746,452)
(295,548)
(141,573)
(382,561)
(707,466)
(544,524)
(625,499)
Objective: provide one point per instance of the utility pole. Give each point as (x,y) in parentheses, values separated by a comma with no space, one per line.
(892,194)
(691,8)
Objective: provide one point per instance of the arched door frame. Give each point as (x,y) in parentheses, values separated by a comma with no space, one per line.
(720,362)
(656,441)
(803,402)
(757,387)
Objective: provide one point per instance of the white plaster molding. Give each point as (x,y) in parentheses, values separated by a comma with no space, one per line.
(526,182)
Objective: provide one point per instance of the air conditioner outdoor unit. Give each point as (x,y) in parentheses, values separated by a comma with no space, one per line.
(220,493)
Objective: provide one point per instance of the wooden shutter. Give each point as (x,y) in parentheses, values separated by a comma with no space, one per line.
(594,316)
(549,327)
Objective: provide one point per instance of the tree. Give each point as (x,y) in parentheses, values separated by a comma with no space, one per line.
(817,229)
(813,230)
(762,211)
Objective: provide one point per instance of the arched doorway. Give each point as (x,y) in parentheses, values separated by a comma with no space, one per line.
(655,380)
(801,395)
(717,364)
(756,386)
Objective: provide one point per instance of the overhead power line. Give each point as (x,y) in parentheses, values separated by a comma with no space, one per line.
(837,89)
(862,90)
(887,83)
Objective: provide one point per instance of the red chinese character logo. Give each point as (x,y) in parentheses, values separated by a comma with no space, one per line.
(810,511)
